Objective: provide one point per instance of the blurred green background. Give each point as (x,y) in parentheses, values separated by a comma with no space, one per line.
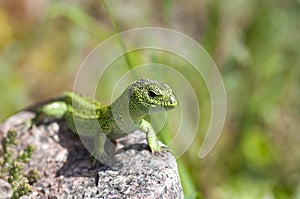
(255,44)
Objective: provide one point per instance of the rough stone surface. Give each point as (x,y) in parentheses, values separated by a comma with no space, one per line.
(5,190)
(66,169)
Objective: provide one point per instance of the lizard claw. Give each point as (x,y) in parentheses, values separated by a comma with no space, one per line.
(159,150)
(156,148)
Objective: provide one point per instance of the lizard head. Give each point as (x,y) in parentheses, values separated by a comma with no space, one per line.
(152,95)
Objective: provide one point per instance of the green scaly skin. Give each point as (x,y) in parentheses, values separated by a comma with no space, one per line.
(123,116)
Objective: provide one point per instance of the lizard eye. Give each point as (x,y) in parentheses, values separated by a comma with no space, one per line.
(151,93)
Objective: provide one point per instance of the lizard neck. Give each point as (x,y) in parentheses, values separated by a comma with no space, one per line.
(127,107)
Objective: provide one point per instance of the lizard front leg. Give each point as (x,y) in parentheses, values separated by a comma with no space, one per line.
(151,136)
(99,143)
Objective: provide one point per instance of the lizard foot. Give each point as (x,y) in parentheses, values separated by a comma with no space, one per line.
(156,148)
(159,150)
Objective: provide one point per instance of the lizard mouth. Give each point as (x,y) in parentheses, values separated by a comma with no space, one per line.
(165,104)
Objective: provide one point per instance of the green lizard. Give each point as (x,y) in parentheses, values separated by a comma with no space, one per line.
(125,115)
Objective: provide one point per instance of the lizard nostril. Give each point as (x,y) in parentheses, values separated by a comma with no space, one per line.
(172,100)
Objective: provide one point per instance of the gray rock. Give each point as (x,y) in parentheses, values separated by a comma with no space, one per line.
(5,190)
(24,197)
(66,169)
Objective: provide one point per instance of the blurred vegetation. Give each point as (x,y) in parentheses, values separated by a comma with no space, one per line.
(256,45)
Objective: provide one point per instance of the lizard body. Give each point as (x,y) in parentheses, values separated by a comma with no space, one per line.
(125,115)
